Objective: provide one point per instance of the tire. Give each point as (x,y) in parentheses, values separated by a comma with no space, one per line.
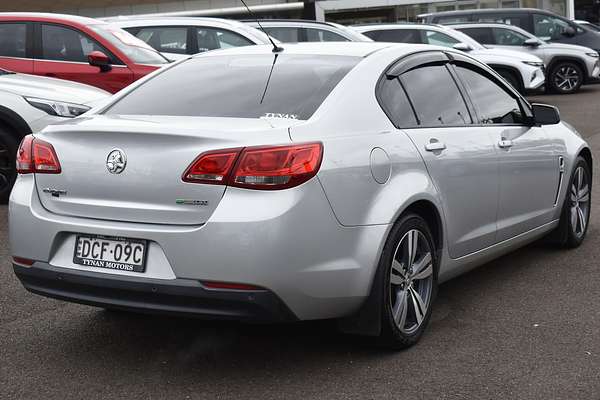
(575,215)
(512,79)
(565,78)
(8,154)
(409,289)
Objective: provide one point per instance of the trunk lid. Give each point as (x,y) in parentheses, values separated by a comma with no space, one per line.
(157,152)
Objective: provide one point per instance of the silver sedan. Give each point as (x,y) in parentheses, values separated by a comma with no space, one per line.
(316,181)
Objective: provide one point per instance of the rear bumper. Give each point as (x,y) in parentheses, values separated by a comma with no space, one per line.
(184,297)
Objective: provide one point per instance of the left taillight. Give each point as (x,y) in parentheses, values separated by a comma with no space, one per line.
(261,167)
(36,155)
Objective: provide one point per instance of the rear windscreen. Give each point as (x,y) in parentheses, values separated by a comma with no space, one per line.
(240,86)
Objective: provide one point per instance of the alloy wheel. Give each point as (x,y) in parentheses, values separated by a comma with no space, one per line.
(566,78)
(580,202)
(411,281)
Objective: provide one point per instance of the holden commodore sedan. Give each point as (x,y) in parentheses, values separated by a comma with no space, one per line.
(317,181)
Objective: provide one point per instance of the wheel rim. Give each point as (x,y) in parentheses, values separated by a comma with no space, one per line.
(566,78)
(411,281)
(6,166)
(580,202)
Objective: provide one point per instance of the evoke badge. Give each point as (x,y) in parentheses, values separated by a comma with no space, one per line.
(116,161)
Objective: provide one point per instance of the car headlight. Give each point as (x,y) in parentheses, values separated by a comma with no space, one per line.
(58,108)
(594,54)
(534,63)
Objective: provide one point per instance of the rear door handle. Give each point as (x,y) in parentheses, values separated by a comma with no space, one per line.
(435,146)
(505,143)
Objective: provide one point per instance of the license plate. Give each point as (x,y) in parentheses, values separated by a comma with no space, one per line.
(122,254)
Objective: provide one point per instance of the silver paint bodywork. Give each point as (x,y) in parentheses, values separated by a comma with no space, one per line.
(316,246)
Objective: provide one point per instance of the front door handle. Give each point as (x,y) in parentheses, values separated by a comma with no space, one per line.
(434,145)
(505,143)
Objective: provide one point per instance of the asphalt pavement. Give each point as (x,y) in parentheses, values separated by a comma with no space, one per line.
(526,326)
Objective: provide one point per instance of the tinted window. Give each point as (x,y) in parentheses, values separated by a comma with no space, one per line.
(482,35)
(396,104)
(284,34)
(396,35)
(64,44)
(239,86)
(321,35)
(439,39)
(135,49)
(507,37)
(446,107)
(547,27)
(166,39)
(13,40)
(493,103)
(519,20)
(214,38)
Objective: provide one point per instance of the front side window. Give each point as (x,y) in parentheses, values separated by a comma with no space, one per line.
(242,86)
(482,35)
(136,50)
(547,27)
(284,34)
(395,102)
(13,40)
(493,102)
(165,39)
(507,37)
(64,44)
(215,38)
(322,35)
(395,35)
(446,107)
(439,39)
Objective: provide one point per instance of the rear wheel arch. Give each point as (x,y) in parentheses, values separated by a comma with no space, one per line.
(430,213)
(14,123)
(587,156)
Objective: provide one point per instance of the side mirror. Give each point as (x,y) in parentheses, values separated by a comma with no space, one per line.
(532,42)
(462,47)
(569,32)
(100,60)
(544,114)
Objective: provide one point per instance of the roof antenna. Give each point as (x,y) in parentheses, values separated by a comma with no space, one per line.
(276,49)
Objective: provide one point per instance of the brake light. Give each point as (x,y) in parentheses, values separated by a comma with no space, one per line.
(264,167)
(36,155)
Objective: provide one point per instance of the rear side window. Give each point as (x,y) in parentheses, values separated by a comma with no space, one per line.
(482,35)
(13,40)
(395,35)
(65,44)
(247,86)
(493,103)
(165,39)
(396,105)
(446,107)
(215,38)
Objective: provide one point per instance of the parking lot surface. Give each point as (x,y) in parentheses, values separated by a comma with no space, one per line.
(526,326)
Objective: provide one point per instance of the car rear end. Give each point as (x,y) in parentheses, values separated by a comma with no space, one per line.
(187,196)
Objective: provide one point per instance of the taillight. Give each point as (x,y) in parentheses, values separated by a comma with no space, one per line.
(264,167)
(36,155)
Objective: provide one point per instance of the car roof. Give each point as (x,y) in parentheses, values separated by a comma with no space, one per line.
(486,10)
(66,18)
(399,25)
(352,49)
(133,21)
(287,21)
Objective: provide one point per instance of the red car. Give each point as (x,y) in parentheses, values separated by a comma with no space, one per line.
(74,48)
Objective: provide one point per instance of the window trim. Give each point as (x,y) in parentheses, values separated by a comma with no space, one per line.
(38,53)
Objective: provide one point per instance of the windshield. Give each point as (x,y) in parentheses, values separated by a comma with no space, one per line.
(240,86)
(135,49)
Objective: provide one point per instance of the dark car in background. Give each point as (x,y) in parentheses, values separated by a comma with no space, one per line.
(543,24)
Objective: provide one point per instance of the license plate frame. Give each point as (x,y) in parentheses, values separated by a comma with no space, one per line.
(108,264)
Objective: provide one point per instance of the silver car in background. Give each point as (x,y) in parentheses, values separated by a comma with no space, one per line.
(525,72)
(178,38)
(317,181)
(299,30)
(568,66)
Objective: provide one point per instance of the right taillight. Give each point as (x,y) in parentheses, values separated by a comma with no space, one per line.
(36,155)
(264,167)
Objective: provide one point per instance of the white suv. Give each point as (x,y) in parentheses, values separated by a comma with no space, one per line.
(524,72)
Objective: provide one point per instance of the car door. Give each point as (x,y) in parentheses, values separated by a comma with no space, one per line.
(15,47)
(529,169)
(61,52)
(460,158)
